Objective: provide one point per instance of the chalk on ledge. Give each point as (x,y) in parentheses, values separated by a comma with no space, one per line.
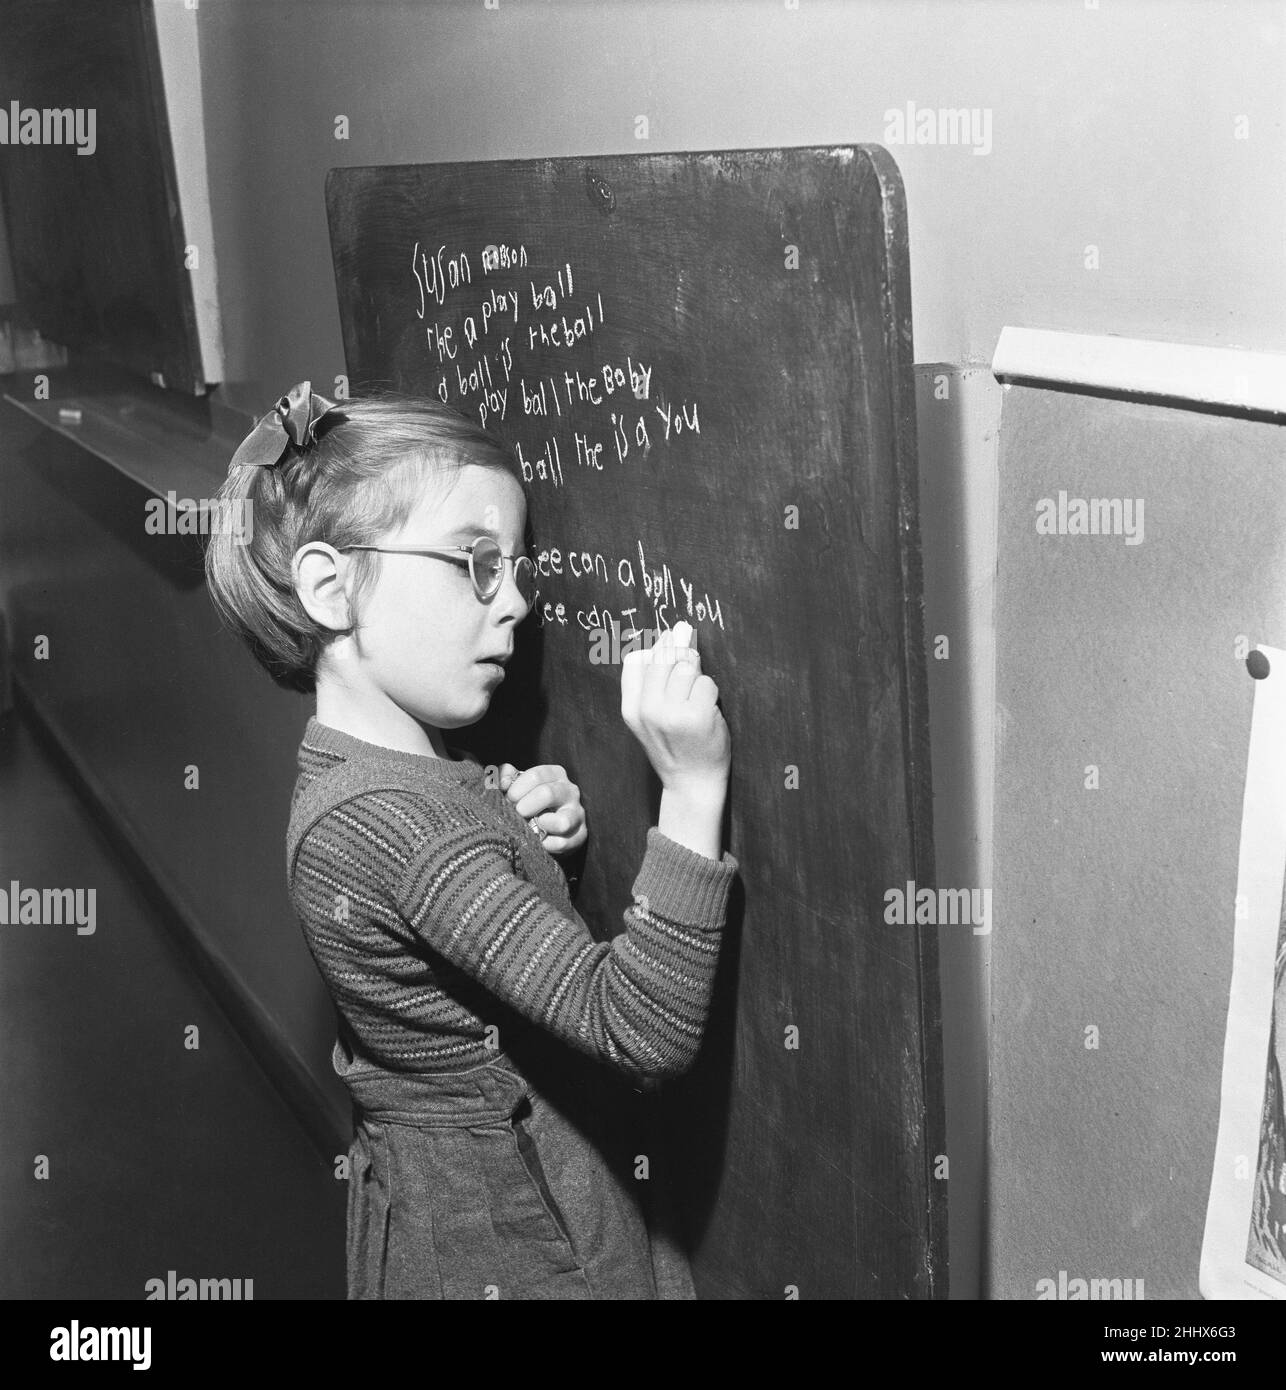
(69,415)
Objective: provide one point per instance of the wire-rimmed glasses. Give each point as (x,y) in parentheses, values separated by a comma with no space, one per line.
(486,564)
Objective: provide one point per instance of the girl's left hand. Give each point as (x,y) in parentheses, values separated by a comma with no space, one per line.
(550,804)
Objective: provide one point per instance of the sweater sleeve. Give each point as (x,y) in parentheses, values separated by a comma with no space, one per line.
(638,1003)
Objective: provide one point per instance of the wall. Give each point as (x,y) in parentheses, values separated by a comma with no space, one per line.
(1111,127)
(1125,709)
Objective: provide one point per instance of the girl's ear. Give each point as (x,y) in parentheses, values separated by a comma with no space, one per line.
(322,578)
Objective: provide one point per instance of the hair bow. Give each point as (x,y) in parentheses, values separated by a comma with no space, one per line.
(293,420)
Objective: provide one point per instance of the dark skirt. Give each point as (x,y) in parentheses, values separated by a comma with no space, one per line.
(480,1184)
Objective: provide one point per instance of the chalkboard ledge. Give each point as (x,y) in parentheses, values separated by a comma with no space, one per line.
(161,441)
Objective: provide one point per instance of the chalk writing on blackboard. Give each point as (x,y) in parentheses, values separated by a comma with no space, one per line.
(480,339)
(669,595)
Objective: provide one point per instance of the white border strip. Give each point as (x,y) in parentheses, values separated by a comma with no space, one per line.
(176,37)
(1261,868)
(1230,377)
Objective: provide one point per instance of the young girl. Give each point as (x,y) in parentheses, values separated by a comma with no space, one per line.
(488,1039)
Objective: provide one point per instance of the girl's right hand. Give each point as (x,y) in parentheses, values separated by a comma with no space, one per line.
(670,707)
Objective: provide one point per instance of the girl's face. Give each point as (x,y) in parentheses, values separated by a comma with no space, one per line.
(424,633)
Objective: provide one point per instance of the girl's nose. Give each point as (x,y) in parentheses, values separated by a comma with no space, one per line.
(511,595)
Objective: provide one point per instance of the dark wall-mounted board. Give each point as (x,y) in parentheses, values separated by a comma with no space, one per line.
(99,254)
(758,301)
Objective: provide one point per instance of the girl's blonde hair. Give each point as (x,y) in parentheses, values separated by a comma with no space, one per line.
(360,479)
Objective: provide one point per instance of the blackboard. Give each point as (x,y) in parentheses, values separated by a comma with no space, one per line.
(97,239)
(752,309)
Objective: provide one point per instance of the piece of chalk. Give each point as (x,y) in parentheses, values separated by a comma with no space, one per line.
(683,634)
(68,415)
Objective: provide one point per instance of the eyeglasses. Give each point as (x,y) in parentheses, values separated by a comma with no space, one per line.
(486,565)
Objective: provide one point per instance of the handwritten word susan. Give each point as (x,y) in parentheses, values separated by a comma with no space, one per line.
(434,275)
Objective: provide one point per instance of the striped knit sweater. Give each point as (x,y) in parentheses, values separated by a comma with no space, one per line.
(432,911)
